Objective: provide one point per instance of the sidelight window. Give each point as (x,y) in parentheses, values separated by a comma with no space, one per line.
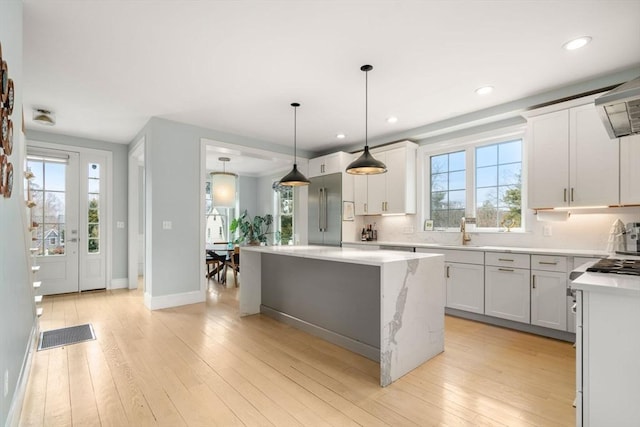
(93,208)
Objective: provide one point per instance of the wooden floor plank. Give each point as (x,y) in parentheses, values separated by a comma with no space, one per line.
(203,365)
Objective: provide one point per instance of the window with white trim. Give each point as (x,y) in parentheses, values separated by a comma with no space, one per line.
(448,189)
(481,180)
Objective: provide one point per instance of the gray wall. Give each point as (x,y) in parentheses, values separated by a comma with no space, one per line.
(119,190)
(17,308)
(172,174)
(247,195)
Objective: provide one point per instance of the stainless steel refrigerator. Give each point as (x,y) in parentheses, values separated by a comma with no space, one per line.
(325,210)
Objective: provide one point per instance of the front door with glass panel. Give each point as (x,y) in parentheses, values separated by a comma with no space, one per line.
(54,220)
(68,221)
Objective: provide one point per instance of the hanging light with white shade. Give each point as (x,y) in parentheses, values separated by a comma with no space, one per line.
(223,187)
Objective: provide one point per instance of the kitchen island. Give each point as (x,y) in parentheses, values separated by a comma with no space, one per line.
(387,306)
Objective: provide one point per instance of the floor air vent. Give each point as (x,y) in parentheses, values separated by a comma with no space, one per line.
(66,336)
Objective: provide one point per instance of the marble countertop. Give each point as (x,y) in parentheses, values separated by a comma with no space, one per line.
(609,283)
(331,253)
(535,251)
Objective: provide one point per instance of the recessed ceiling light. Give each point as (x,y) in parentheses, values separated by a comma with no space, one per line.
(392,119)
(484,90)
(341,136)
(577,43)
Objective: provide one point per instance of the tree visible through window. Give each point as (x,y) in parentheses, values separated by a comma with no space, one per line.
(448,194)
(284,220)
(499,185)
(93,213)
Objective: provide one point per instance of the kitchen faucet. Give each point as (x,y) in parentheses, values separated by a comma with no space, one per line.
(463,229)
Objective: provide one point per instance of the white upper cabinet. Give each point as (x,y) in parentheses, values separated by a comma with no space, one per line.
(630,170)
(393,192)
(594,160)
(548,160)
(572,160)
(331,163)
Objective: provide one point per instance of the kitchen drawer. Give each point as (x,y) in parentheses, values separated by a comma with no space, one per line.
(549,263)
(505,259)
(454,255)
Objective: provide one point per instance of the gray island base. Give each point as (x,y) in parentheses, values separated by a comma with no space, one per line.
(387,306)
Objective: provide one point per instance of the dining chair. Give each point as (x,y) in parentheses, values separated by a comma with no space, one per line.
(217,261)
(234,263)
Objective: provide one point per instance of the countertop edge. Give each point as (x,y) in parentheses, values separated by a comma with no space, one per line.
(329,254)
(507,249)
(607,283)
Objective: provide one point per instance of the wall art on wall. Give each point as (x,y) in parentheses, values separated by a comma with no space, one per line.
(3,166)
(7,99)
(348,211)
(8,180)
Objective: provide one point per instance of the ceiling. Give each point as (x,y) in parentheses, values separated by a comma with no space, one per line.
(105,67)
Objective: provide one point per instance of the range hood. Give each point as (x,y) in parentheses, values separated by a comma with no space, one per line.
(620,109)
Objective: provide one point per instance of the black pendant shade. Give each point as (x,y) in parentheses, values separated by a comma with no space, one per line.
(366,164)
(295,178)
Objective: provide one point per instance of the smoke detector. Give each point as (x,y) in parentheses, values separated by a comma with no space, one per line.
(44,117)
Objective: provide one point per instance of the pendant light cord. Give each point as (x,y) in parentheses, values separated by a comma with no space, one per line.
(366,108)
(295,121)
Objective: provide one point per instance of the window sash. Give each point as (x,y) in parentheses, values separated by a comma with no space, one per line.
(469,146)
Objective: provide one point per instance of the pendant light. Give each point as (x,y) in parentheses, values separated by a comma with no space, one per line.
(366,164)
(223,187)
(294,178)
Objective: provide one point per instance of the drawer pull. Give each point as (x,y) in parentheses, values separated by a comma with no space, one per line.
(533,281)
(505,259)
(506,269)
(548,263)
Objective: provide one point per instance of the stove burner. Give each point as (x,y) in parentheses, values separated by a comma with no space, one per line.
(617,266)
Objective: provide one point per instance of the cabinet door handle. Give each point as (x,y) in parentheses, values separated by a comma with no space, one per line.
(572,194)
(506,269)
(547,263)
(565,195)
(448,276)
(533,281)
(505,259)
(365,207)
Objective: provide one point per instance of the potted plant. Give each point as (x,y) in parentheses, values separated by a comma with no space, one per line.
(254,230)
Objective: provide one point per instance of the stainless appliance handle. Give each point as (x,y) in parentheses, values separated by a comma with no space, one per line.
(320,210)
(325,215)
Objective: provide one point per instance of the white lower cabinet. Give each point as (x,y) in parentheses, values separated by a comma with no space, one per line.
(506,293)
(548,299)
(549,291)
(465,286)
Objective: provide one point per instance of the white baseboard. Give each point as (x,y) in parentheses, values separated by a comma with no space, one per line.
(15,410)
(122,283)
(173,300)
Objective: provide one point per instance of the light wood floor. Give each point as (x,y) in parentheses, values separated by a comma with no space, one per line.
(202,365)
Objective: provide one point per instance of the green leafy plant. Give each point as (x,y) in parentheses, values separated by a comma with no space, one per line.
(251,230)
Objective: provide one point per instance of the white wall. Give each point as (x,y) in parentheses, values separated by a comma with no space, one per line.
(17,308)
